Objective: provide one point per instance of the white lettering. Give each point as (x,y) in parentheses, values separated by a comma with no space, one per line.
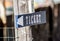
(32,20)
(39,19)
(26,19)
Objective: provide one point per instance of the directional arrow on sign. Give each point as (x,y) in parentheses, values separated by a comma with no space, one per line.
(20,21)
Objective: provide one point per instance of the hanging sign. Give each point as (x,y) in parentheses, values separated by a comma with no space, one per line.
(30,19)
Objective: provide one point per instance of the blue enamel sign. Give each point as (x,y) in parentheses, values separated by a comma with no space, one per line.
(30,19)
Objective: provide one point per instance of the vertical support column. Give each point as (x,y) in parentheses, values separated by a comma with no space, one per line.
(22,7)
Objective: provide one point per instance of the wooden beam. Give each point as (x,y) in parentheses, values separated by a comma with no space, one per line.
(23,7)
